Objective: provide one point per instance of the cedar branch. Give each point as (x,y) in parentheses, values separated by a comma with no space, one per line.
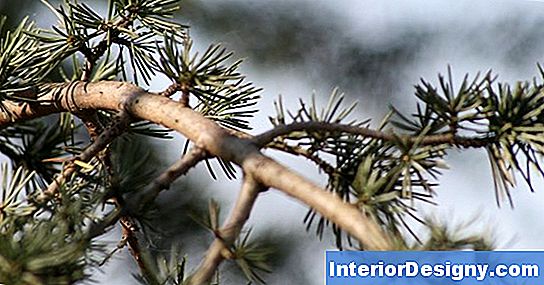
(447,138)
(101,142)
(219,250)
(116,96)
(179,168)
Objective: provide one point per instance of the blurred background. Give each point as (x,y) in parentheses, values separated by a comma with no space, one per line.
(374,51)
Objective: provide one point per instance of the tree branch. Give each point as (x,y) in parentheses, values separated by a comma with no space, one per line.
(170,91)
(101,142)
(294,150)
(265,138)
(92,123)
(189,160)
(163,181)
(98,229)
(219,250)
(116,96)
(139,253)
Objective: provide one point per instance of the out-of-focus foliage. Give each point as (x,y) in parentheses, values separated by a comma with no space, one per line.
(45,245)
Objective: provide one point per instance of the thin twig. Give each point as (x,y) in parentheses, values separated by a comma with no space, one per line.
(102,141)
(184,100)
(294,150)
(163,181)
(171,90)
(94,129)
(91,123)
(219,250)
(98,229)
(299,151)
(189,160)
(139,253)
(92,55)
(283,130)
(132,237)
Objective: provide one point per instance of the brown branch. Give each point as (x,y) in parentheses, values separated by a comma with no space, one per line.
(299,151)
(294,150)
(181,167)
(101,142)
(92,123)
(184,100)
(130,237)
(94,129)
(162,182)
(219,250)
(171,90)
(129,229)
(92,55)
(98,229)
(283,130)
(210,137)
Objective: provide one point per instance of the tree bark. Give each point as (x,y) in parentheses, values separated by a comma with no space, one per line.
(206,134)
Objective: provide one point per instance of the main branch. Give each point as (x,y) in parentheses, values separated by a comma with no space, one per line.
(206,134)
